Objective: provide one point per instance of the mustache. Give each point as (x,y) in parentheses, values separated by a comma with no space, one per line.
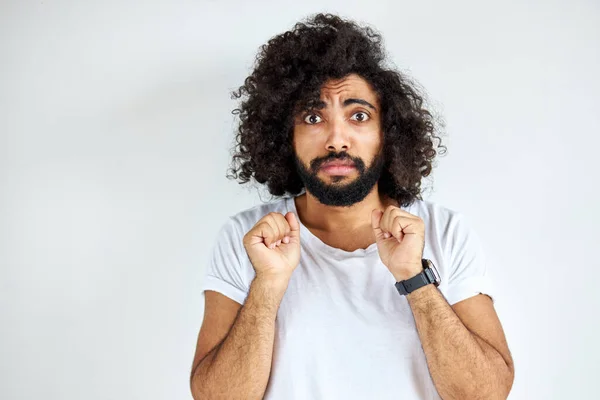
(342,156)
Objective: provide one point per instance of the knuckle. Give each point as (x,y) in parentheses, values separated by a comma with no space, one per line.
(265,227)
(274,223)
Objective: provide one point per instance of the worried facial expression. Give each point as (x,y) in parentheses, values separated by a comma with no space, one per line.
(338,143)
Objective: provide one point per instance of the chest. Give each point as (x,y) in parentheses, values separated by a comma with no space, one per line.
(332,298)
(346,332)
(348,241)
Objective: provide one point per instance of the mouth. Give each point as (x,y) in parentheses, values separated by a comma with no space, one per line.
(338,169)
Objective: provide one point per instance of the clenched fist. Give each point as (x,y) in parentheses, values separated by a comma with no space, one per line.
(400,240)
(273,245)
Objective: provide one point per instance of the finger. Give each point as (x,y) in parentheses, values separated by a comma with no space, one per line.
(384,216)
(386,219)
(293,224)
(397,227)
(283,225)
(264,233)
(410,226)
(376,224)
(413,225)
(270,234)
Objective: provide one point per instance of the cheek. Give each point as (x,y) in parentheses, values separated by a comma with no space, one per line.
(370,139)
(375,138)
(302,148)
(308,141)
(299,145)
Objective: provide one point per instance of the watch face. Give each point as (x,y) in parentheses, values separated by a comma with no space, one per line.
(436,274)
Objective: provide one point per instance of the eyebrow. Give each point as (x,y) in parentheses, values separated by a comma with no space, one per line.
(319,104)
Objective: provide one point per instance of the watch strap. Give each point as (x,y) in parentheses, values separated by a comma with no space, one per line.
(425,277)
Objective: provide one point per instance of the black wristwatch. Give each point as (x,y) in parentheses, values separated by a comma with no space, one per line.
(428,276)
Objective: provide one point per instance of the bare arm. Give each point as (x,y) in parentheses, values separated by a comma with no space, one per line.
(467,359)
(239,367)
(238,364)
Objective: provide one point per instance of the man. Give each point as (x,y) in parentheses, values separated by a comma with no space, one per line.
(353,287)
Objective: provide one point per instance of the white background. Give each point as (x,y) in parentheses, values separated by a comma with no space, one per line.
(115,132)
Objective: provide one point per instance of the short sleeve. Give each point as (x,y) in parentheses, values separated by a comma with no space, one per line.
(468,273)
(226,262)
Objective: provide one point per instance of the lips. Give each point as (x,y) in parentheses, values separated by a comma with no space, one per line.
(338,164)
(338,167)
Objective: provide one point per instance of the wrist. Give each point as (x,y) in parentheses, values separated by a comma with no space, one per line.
(420,293)
(408,272)
(267,293)
(272,281)
(428,275)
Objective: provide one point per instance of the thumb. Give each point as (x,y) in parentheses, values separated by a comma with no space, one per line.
(375,220)
(294,224)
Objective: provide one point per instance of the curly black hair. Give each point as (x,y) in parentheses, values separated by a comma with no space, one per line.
(288,74)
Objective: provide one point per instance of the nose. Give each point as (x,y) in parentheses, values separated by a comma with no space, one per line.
(337,139)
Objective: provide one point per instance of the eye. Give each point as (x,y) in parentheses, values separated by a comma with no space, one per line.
(312,119)
(360,116)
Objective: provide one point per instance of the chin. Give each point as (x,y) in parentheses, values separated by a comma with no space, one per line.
(338,180)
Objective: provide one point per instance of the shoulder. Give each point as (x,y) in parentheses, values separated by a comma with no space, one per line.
(242,221)
(448,228)
(435,213)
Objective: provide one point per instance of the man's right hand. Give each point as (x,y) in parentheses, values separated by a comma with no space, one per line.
(273,245)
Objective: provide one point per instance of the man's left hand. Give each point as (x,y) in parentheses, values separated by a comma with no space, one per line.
(400,240)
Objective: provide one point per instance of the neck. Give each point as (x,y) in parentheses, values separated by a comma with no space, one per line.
(320,217)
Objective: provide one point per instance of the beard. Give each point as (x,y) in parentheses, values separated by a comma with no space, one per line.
(338,193)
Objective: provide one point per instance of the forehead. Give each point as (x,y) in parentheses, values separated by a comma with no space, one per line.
(350,86)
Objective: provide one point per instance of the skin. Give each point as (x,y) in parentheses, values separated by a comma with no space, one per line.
(235,345)
(464,344)
(336,128)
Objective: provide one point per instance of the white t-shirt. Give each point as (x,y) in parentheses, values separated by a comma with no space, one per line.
(343,331)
